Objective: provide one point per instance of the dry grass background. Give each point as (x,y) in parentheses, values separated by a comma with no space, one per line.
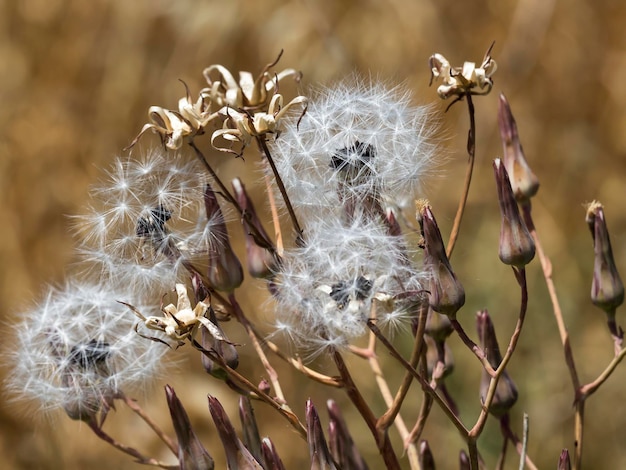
(77,77)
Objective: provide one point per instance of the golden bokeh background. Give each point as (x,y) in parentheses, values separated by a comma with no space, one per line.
(77,78)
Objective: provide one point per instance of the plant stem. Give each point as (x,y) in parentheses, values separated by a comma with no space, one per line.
(382,438)
(271,372)
(423,382)
(98,431)
(134,406)
(471,151)
(478,352)
(385,391)
(281,187)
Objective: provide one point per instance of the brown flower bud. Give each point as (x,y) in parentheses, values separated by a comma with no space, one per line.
(260,251)
(564,463)
(342,447)
(506,391)
(225,272)
(191,453)
(464,461)
(250,429)
(523,181)
(607,290)
(517,247)
(321,458)
(439,358)
(447,295)
(427,461)
(272,459)
(438,326)
(237,456)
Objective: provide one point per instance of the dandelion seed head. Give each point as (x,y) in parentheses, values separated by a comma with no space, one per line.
(344,275)
(77,347)
(364,128)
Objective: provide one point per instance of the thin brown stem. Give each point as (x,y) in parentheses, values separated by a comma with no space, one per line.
(271,372)
(546,267)
(477,350)
(99,432)
(281,187)
(385,391)
(423,382)
(471,151)
(299,366)
(590,388)
(250,387)
(134,406)
(386,419)
(381,438)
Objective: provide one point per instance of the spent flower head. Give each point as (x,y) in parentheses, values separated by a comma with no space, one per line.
(77,351)
(326,290)
(358,140)
(144,222)
(466,80)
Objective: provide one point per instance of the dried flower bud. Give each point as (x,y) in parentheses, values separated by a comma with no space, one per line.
(506,391)
(271,456)
(342,447)
(447,295)
(564,463)
(607,290)
(517,247)
(427,461)
(523,181)
(237,456)
(191,453)
(321,459)
(250,430)
(225,272)
(260,252)
(464,462)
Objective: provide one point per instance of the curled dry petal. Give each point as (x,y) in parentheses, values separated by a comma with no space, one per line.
(466,80)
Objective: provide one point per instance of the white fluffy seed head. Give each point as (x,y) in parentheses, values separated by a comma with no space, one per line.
(344,275)
(77,348)
(144,221)
(360,131)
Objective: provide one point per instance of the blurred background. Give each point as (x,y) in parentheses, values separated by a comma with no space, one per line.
(77,78)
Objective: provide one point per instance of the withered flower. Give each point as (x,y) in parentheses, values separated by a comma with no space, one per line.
(466,80)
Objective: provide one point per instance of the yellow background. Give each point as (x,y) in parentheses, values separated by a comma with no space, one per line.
(77,78)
